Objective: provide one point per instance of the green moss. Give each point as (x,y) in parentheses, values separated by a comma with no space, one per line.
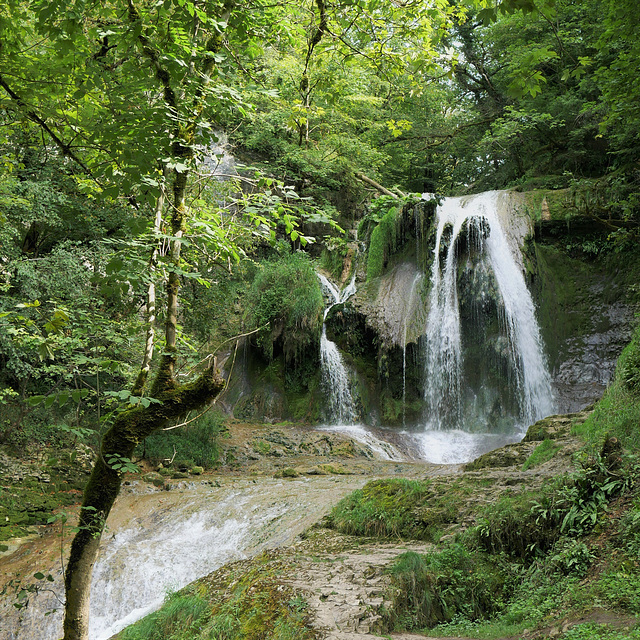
(541,454)
(251,604)
(32,502)
(397,507)
(382,244)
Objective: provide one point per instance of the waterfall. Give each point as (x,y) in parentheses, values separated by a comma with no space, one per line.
(335,378)
(499,339)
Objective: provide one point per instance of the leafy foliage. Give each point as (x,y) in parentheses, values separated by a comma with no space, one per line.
(437,587)
(198,443)
(287,298)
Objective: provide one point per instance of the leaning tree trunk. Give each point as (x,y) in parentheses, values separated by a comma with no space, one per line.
(130,428)
(171,401)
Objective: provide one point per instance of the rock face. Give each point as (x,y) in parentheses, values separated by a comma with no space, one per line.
(586,319)
(582,307)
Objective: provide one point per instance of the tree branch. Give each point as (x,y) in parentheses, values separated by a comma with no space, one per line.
(34,117)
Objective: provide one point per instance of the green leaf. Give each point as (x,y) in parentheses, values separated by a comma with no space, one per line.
(35,400)
(78,394)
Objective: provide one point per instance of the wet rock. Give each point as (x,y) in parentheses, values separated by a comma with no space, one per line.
(555,427)
(510,455)
(154,478)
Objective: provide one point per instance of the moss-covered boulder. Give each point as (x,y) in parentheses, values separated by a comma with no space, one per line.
(511,455)
(555,427)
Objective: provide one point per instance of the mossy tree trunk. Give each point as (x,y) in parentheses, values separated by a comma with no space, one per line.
(170,400)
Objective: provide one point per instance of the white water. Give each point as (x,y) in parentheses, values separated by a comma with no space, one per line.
(159,541)
(335,378)
(145,559)
(457,426)
(444,379)
(383,449)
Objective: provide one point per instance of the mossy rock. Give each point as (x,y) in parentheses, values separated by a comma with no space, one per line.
(197,471)
(555,427)
(345,449)
(287,473)
(179,475)
(335,469)
(511,455)
(316,470)
(156,479)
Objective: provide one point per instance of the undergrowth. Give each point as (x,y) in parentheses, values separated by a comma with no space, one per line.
(196,444)
(531,558)
(618,413)
(434,588)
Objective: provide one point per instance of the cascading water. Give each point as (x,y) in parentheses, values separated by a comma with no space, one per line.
(485,371)
(335,378)
(341,408)
(159,541)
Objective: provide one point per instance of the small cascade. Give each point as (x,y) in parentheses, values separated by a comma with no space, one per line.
(488,372)
(335,378)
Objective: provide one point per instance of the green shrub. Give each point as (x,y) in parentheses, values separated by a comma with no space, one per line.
(571,557)
(333,256)
(526,525)
(520,525)
(628,368)
(396,507)
(437,587)
(286,298)
(621,589)
(595,631)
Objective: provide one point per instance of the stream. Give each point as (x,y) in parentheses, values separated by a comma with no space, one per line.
(159,541)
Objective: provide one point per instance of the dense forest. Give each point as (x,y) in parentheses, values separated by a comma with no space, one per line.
(103,110)
(133,255)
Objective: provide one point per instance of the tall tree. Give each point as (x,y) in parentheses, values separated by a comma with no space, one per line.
(128,92)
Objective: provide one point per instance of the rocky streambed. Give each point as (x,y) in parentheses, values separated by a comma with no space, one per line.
(277,483)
